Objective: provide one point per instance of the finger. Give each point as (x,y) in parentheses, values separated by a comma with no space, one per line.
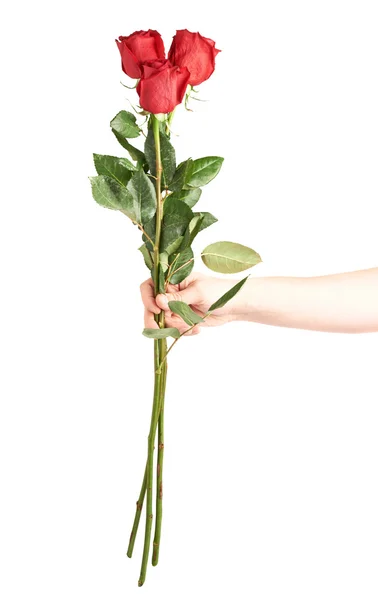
(177,322)
(149,320)
(147,293)
(195,331)
(194,277)
(190,295)
(162,302)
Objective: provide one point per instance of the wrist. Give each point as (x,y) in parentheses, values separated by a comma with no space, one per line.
(243,305)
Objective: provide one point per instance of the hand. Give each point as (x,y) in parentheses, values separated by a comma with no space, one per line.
(197,290)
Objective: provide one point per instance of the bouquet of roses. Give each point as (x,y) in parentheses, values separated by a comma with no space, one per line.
(158,196)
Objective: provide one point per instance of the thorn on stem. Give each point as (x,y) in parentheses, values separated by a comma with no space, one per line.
(161,446)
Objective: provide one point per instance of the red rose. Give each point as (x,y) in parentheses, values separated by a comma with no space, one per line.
(195,52)
(162,86)
(137,48)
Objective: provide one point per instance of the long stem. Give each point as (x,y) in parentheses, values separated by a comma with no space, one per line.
(138,512)
(159,466)
(159,352)
(140,501)
(160,366)
(159,204)
(149,482)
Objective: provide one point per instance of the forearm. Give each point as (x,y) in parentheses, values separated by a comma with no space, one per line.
(344,302)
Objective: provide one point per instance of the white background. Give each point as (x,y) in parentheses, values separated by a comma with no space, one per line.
(271,457)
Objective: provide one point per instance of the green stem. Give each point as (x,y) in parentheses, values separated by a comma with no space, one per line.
(159,204)
(158,369)
(140,501)
(149,482)
(142,494)
(159,466)
(159,352)
(159,364)
(138,512)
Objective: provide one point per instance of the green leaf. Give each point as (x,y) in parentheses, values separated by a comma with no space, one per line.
(207,219)
(182,267)
(163,258)
(119,169)
(174,246)
(204,170)
(124,123)
(150,229)
(161,280)
(110,194)
(190,197)
(228,257)
(159,334)
(147,256)
(199,222)
(176,217)
(228,295)
(167,153)
(195,226)
(181,175)
(190,232)
(144,196)
(184,311)
(97,194)
(135,154)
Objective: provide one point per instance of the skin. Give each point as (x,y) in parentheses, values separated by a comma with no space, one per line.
(340,303)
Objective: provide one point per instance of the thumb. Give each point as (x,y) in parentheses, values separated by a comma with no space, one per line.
(189,295)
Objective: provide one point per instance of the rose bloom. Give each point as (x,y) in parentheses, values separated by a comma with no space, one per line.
(137,48)
(194,51)
(162,86)
(163,82)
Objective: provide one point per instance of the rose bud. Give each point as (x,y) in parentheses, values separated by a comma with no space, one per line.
(195,52)
(137,48)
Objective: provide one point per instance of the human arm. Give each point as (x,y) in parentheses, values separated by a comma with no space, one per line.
(342,302)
